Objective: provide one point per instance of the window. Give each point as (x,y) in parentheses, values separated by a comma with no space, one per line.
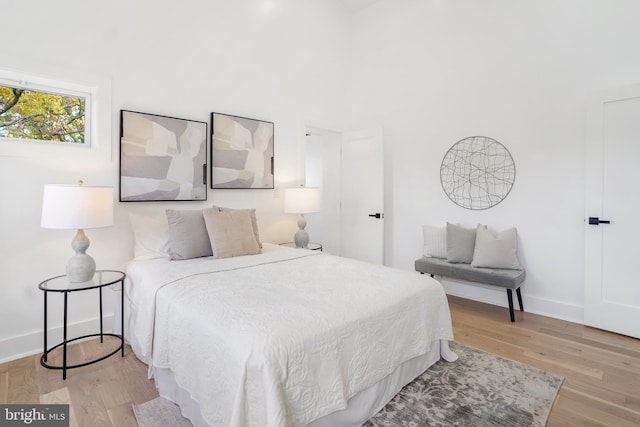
(37,112)
(65,114)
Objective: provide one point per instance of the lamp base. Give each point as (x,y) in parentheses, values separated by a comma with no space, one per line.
(81,267)
(301,237)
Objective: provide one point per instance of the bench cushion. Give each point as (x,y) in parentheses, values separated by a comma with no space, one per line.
(511,279)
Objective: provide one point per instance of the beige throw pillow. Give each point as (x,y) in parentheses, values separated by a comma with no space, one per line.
(496,250)
(252,214)
(231,233)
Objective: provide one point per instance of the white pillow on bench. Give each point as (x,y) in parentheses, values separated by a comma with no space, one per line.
(435,241)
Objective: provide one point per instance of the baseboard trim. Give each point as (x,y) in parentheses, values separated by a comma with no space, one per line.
(532,304)
(32,343)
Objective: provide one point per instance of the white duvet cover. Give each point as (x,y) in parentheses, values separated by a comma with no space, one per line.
(281,338)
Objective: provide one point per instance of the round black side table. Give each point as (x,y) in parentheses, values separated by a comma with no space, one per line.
(61,284)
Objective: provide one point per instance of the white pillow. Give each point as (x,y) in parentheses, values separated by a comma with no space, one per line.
(435,241)
(151,236)
(496,250)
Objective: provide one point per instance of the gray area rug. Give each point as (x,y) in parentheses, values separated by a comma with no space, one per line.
(479,389)
(159,412)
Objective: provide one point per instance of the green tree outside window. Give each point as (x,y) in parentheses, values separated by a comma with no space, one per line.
(41,116)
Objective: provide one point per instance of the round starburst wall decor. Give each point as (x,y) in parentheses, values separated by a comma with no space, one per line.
(477,173)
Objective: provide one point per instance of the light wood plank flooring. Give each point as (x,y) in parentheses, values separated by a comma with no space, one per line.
(601,370)
(99,395)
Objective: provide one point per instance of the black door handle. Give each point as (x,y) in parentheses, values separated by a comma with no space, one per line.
(376,215)
(594,220)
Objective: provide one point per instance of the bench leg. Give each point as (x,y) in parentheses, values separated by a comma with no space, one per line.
(422,272)
(519,299)
(510,298)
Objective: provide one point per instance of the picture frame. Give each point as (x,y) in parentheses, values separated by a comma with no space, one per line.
(162,158)
(242,152)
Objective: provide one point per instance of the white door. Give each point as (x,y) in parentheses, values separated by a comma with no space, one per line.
(362,196)
(612,283)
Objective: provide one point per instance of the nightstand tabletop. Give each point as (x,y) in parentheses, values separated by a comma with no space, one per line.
(100,279)
(311,246)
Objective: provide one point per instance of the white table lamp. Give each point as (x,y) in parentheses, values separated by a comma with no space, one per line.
(70,207)
(300,201)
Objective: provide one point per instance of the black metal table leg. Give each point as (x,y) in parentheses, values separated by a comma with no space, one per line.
(122,317)
(45,327)
(101,330)
(64,340)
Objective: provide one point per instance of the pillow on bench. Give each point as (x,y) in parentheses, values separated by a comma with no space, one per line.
(478,256)
(478,247)
(496,250)
(435,241)
(460,243)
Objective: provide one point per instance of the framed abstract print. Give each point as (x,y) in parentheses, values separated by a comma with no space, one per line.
(241,152)
(162,158)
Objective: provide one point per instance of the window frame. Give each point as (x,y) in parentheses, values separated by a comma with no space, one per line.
(97,93)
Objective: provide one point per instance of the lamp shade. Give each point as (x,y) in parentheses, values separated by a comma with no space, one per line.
(76,207)
(302,200)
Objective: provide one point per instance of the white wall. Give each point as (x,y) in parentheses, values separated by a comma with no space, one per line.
(285,61)
(432,72)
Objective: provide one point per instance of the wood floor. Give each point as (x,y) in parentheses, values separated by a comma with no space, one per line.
(99,394)
(601,370)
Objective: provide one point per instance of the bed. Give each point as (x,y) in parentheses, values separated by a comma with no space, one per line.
(285,337)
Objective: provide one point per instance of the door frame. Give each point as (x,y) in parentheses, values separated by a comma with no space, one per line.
(596,312)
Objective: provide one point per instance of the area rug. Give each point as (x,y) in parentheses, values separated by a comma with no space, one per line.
(159,412)
(479,389)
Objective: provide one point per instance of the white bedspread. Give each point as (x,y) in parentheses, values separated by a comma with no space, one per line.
(281,338)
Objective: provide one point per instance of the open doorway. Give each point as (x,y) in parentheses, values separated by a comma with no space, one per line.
(322,170)
(349,168)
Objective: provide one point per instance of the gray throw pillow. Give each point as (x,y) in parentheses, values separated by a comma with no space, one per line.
(188,237)
(460,243)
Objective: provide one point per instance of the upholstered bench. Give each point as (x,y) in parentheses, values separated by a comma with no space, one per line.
(504,278)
